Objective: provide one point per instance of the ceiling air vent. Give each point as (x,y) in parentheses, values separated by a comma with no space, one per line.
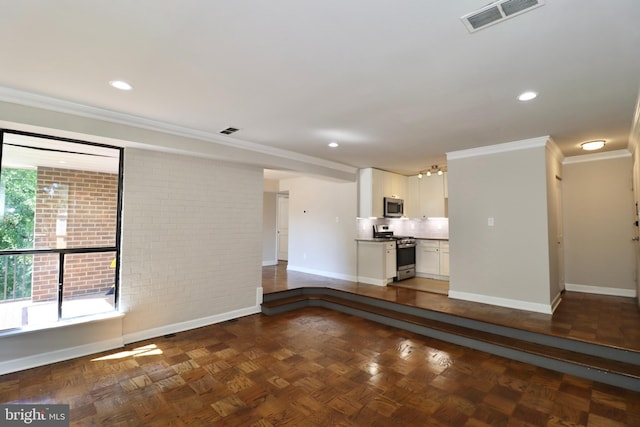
(229,131)
(498,11)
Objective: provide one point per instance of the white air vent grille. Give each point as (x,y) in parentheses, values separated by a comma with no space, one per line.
(229,131)
(498,11)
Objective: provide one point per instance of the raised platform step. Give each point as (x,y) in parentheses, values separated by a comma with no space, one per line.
(609,365)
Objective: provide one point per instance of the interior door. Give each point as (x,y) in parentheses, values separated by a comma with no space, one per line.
(635,183)
(559,233)
(283,227)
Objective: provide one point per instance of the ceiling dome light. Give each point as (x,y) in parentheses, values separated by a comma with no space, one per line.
(527,96)
(333,144)
(120,84)
(592,145)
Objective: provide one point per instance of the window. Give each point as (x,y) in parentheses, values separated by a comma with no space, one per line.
(60,205)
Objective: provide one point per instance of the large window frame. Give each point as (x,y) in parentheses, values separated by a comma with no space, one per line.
(61,253)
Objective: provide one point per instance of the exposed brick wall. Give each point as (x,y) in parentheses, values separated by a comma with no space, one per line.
(74,209)
(192,240)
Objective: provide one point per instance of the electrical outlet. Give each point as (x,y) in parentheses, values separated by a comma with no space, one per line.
(490,222)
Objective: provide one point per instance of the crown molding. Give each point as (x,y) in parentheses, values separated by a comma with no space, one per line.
(29,99)
(593,157)
(499,148)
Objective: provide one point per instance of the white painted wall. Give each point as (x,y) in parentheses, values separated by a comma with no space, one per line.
(507,263)
(191,241)
(598,224)
(322,226)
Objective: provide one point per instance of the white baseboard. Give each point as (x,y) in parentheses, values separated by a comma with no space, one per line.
(268,263)
(190,324)
(58,355)
(323,273)
(556,302)
(372,281)
(601,290)
(432,276)
(502,302)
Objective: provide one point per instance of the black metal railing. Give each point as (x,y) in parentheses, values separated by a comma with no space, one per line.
(16,275)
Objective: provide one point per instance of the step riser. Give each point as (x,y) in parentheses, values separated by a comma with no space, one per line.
(547,340)
(521,356)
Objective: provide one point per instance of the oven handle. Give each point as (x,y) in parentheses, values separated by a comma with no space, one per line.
(406,245)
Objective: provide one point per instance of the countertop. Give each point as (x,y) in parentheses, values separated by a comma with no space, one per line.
(389,239)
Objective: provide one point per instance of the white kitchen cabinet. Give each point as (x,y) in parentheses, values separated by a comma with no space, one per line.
(426,196)
(432,196)
(444,258)
(373,186)
(412,202)
(390,260)
(427,257)
(432,258)
(446,186)
(376,262)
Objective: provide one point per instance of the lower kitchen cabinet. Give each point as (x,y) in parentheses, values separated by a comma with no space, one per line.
(427,257)
(376,262)
(444,258)
(432,259)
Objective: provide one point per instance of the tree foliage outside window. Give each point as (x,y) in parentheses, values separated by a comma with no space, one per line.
(18,191)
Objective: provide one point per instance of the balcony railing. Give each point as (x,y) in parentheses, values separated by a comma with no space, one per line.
(16,275)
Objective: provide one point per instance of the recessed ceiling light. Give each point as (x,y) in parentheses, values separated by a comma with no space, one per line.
(592,145)
(120,84)
(527,96)
(333,144)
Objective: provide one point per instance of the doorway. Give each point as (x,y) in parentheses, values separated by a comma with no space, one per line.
(635,183)
(282,231)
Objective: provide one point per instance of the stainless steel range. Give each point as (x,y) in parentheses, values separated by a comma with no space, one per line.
(405,257)
(405,251)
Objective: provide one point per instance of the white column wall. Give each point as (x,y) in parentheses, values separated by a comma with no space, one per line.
(506,263)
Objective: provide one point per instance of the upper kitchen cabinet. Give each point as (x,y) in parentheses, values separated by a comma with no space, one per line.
(427,196)
(373,186)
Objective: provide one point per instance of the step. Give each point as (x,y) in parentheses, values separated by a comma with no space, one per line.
(537,349)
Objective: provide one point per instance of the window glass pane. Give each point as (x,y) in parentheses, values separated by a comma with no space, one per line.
(88,284)
(57,194)
(28,290)
(17,208)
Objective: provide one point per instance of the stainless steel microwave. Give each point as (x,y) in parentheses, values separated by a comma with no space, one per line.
(393,208)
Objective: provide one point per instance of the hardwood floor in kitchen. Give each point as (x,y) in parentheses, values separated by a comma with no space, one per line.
(317,367)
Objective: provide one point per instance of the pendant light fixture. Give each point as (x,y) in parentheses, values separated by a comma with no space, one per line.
(433,169)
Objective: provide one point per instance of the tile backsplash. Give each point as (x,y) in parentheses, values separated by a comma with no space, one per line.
(427,228)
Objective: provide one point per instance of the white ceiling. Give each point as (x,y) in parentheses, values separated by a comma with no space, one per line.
(397,83)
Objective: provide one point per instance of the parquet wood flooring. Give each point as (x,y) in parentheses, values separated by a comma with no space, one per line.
(314,367)
(599,319)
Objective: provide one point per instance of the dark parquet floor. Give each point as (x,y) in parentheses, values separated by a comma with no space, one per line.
(314,367)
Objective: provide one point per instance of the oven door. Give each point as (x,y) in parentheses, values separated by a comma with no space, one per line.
(406,261)
(406,256)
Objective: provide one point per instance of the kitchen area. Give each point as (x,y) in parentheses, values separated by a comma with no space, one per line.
(402,227)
